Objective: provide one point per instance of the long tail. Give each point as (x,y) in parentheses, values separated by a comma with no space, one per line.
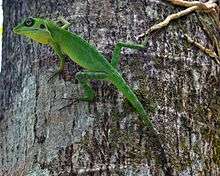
(122,86)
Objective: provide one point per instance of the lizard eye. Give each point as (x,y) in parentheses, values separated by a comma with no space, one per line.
(29,22)
(42,26)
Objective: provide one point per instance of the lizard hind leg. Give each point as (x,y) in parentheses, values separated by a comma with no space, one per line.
(117,51)
(84,78)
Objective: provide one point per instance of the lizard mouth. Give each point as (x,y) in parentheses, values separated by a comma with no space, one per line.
(16,30)
(19,31)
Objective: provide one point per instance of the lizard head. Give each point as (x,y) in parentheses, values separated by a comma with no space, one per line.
(34,28)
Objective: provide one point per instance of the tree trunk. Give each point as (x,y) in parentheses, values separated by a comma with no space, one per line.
(44,130)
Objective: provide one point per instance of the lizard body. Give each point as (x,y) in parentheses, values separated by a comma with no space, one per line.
(85,55)
(97,66)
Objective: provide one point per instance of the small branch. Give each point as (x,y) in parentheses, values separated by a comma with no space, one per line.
(217,46)
(168,19)
(202,6)
(208,7)
(192,6)
(207,51)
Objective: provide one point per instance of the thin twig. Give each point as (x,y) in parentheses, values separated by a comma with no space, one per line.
(202,6)
(192,6)
(168,19)
(207,51)
(208,7)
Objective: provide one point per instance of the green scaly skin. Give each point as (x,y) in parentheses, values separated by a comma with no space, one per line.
(84,54)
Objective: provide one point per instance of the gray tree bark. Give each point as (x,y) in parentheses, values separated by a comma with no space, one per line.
(41,133)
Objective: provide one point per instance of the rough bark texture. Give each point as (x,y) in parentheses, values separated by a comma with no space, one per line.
(43,134)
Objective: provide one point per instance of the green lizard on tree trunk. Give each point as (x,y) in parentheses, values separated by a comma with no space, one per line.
(84,54)
(87,56)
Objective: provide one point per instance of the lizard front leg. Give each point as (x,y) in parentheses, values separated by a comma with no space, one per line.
(58,51)
(84,78)
(66,24)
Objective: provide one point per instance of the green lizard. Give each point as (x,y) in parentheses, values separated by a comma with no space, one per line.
(84,54)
